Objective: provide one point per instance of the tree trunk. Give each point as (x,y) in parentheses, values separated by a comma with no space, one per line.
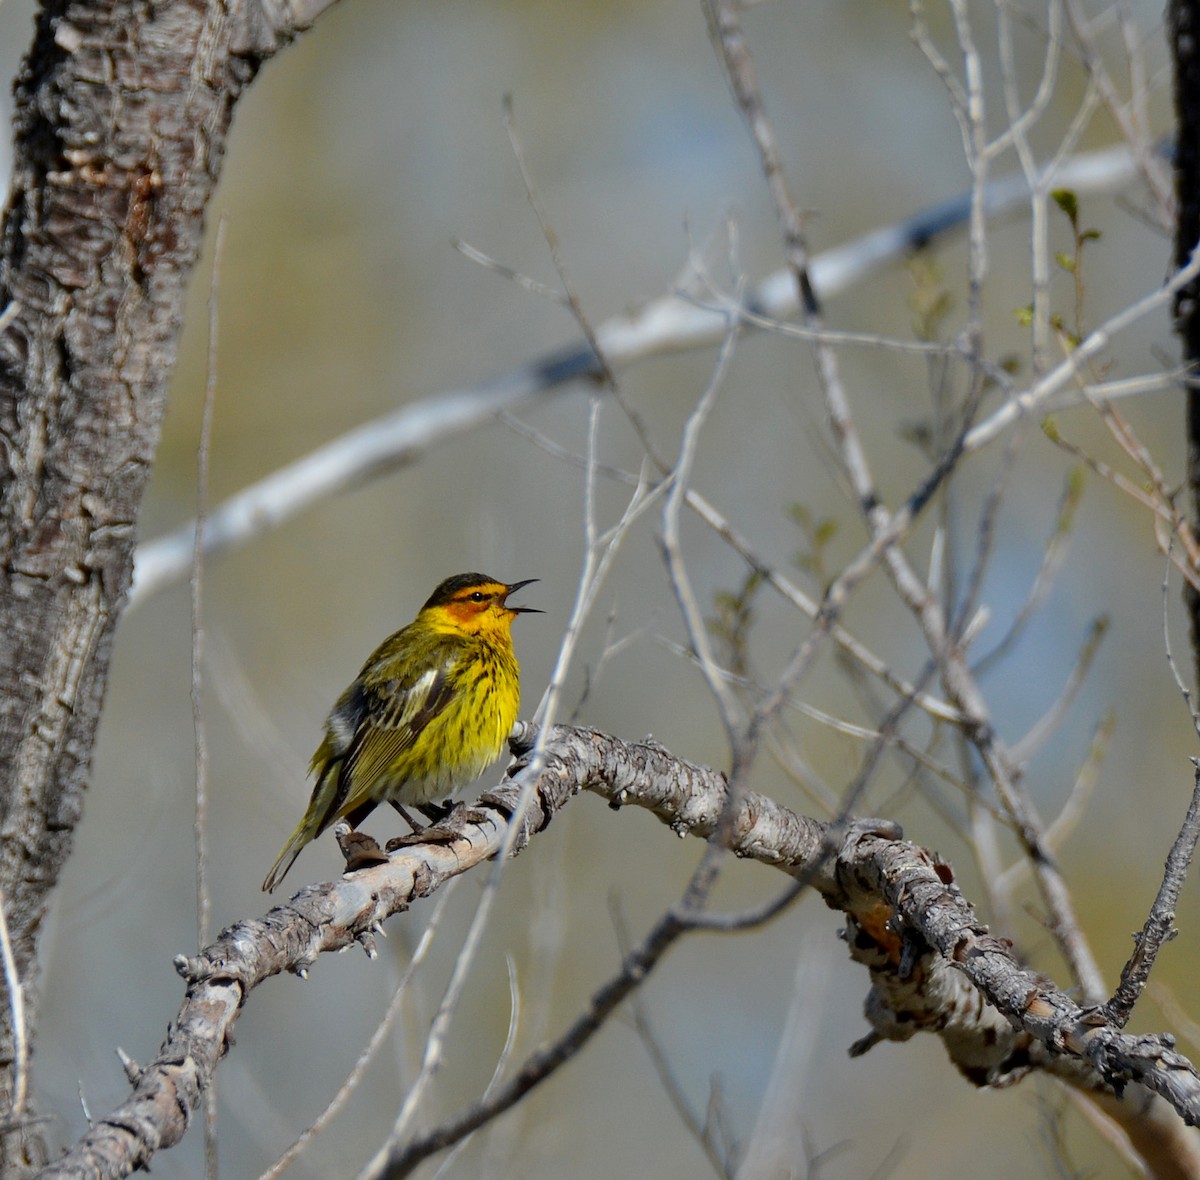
(122,110)
(1185,47)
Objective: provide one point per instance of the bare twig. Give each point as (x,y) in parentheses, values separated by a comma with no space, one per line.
(886,529)
(203,891)
(1060,828)
(667,1076)
(545,1062)
(599,551)
(1159,927)
(1039,733)
(772,576)
(1185,691)
(1129,118)
(1053,553)
(693,617)
(772,1147)
(502,1059)
(376,1040)
(1074,366)
(1019,123)
(508,272)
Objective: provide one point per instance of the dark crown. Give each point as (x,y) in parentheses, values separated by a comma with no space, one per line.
(456,585)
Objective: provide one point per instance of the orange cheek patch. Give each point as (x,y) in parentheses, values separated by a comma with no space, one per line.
(464,612)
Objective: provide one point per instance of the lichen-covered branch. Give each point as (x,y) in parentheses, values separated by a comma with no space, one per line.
(934,967)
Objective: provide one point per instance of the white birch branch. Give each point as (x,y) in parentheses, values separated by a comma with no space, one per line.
(673,323)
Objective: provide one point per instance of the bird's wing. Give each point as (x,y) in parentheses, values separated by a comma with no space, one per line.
(392,718)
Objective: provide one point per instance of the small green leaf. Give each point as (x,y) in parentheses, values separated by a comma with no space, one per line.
(1065,261)
(1024,315)
(1065,199)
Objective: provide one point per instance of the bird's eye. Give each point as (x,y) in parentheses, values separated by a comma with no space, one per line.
(479,596)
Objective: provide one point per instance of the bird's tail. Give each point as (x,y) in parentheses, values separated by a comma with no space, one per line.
(287,858)
(323,808)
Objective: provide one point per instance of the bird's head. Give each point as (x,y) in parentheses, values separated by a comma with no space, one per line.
(475,603)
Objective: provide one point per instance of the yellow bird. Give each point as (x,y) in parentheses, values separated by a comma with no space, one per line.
(431,708)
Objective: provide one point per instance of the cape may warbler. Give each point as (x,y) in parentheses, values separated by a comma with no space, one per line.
(430,709)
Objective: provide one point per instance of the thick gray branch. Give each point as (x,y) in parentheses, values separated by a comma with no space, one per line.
(934,966)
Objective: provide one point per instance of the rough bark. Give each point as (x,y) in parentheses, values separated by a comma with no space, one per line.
(122,111)
(934,967)
(1185,46)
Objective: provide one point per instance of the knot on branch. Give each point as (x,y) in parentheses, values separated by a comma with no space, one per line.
(194,970)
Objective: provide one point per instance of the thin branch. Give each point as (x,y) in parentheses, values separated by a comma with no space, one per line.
(1073,367)
(773,577)
(1185,692)
(724,24)
(729,41)
(1053,554)
(599,552)
(971,604)
(376,1040)
(1159,927)
(693,617)
(979,154)
(1024,749)
(1072,812)
(667,1076)
(510,273)
(502,1059)
(544,1063)
(823,796)
(203,890)
(1134,131)
(1019,123)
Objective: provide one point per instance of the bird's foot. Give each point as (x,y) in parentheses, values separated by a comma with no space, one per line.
(408,819)
(436,812)
(448,828)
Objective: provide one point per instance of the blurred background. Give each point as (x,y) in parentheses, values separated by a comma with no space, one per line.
(356,159)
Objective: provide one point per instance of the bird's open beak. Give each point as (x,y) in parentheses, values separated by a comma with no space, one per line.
(521,610)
